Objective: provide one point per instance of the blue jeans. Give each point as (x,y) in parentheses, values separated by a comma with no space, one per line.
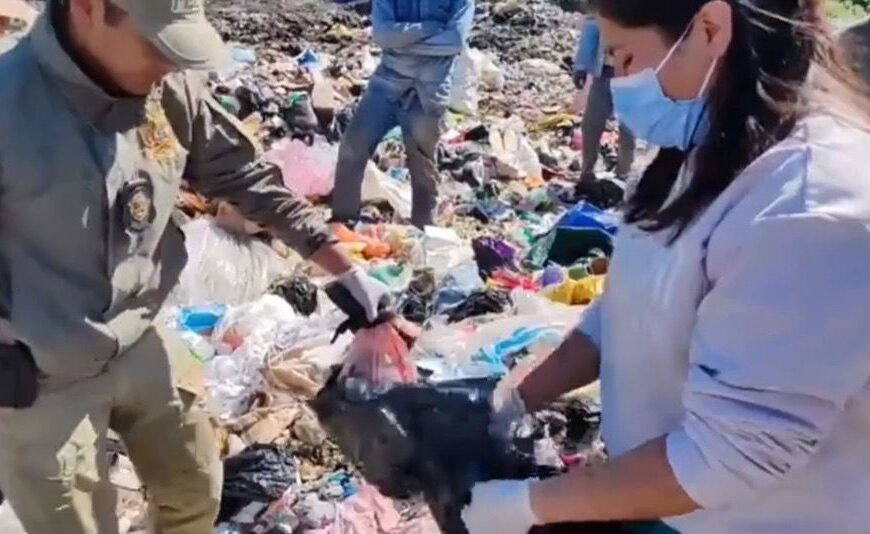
(379,111)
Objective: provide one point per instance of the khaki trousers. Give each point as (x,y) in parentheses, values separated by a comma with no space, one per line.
(53,465)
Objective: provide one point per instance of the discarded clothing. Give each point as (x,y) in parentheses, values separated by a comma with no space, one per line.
(602,193)
(260,473)
(504,352)
(480,303)
(456,287)
(492,254)
(299,292)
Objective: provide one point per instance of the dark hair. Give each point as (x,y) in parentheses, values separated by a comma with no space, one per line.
(761,92)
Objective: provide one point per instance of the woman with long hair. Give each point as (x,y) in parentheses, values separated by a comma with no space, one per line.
(731,342)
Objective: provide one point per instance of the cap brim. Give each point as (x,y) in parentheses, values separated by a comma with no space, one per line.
(17,9)
(193,45)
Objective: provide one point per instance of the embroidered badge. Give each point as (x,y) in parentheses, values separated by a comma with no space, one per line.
(156,136)
(137,199)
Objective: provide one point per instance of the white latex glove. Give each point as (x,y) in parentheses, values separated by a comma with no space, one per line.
(507,408)
(371,294)
(500,507)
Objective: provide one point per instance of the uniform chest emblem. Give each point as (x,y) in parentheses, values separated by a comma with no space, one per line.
(158,141)
(137,199)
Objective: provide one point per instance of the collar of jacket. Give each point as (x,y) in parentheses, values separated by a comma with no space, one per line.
(87,99)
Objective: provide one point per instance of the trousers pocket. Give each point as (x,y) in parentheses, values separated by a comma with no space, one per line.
(18,377)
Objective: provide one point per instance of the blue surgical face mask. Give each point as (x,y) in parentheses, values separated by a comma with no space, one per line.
(643,107)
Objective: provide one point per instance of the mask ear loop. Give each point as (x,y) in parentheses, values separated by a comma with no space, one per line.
(701,93)
(676,45)
(707,78)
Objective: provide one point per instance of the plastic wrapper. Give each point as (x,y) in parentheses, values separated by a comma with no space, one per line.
(380,357)
(225,269)
(379,186)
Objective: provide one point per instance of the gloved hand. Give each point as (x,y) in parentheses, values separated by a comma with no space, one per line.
(372,296)
(579,79)
(363,299)
(500,506)
(507,408)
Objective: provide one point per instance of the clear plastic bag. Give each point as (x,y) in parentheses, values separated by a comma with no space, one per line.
(225,269)
(380,357)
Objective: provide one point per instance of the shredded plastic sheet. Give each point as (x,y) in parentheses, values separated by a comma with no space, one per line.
(224,269)
(251,336)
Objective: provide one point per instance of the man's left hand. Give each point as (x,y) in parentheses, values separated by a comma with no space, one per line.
(502,506)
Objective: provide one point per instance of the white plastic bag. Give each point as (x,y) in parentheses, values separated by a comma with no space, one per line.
(443,250)
(473,68)
(225,269)
(515,156)
(378,186)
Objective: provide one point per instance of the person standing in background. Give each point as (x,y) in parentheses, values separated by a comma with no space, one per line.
(591,61)
(411,88)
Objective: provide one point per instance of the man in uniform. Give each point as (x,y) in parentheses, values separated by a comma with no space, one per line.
(102,120)
(14,15)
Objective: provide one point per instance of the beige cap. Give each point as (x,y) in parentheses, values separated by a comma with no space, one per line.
(17,9)
(179,29)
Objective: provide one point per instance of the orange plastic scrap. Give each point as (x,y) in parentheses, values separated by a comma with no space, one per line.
(377,250)
(346,235)
(374,248)
(192,203)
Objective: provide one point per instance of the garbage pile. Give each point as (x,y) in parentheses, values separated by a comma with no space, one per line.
(337,435)
(534,42)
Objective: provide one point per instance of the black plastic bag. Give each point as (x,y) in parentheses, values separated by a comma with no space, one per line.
(480,303)
(260,473)
(429,441)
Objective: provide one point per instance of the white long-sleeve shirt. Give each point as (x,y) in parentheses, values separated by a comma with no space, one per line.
(747,343)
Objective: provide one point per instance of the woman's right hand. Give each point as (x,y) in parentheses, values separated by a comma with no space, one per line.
(508,405)
(507,408)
